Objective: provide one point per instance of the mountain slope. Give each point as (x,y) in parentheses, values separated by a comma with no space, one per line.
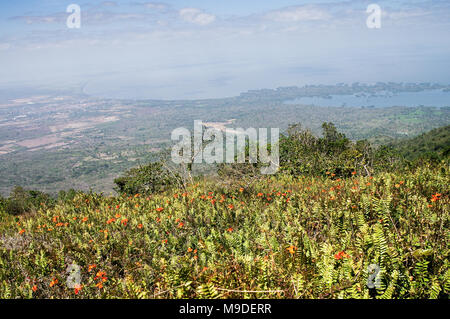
(435,143)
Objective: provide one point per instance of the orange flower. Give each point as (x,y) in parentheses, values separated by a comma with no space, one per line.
(34,288)
(260,195)
(180,225)
(230,230)
(111,221)
(84,219)
(21,232)
(291,249)
(124,221)
(353,173)
(241,189)
(54,282)
(118,215)
(189,249)
(99,285)
(139,226)
(230,206)
(91,267)
(159,209)
(99,274)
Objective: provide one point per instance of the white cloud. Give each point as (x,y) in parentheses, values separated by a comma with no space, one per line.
(294,14)
(196,16)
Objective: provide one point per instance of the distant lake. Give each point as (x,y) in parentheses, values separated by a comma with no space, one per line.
(437,98)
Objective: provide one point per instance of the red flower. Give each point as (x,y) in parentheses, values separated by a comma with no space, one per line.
(77,289)
(340,255)
(435,197)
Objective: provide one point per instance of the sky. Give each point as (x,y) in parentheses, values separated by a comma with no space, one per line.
(193,49)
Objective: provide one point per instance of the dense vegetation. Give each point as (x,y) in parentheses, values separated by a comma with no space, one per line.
(317,229)
(97,139)
(433,145)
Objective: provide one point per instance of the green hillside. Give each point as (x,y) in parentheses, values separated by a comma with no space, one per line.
(435,144)
(347,221)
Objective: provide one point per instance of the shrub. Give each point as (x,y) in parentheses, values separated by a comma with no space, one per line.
(151,178)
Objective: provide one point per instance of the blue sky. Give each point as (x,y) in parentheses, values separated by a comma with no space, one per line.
(213,48)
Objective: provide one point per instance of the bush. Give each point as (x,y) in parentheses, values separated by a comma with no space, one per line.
(151,178)
(23,201)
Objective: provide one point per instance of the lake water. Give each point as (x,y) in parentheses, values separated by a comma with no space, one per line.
(436,98)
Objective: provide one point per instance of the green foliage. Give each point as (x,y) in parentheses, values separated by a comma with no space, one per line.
(23,201)
(281,237)
(147,179)
(432,145)
(301,153)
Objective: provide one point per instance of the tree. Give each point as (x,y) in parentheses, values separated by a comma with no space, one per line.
(151,178)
